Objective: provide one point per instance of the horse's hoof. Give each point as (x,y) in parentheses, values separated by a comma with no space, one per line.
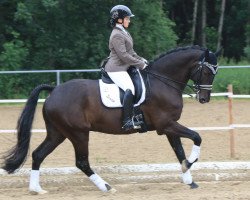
(193,185)
(112,191)
(38,192)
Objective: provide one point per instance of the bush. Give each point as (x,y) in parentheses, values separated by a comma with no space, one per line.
(239,78)
(14,54)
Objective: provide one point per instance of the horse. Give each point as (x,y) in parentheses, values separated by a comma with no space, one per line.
(74,108)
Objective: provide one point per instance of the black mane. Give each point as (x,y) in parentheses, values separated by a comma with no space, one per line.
(179,49)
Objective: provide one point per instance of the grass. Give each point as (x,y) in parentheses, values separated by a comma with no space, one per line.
(239,78)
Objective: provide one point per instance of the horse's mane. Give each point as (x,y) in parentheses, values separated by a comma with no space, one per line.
(179,49)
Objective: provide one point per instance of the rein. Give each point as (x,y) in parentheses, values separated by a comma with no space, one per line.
(160,77)
(196,87)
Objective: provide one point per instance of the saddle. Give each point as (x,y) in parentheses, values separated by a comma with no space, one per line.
(137,82)
(112,95)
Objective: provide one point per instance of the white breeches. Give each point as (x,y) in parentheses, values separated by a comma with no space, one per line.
(122,80)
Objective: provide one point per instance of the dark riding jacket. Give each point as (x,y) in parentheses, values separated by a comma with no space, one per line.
(122,54)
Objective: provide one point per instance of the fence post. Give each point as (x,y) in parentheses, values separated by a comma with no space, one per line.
(231,131)
(58,77)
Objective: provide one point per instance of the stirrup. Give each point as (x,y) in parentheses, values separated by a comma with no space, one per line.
(137,123)
(131,124)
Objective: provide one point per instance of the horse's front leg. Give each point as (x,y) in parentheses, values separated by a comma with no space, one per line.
(175,142)
(181,131)
(174,132)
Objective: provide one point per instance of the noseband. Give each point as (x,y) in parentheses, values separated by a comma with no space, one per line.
(197,86)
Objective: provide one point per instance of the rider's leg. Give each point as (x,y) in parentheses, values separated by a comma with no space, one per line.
(128,106)
(123,80)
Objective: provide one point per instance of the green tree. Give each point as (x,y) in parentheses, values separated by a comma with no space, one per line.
(74,34)
(247,48)
(152,30)
(7,10)
(234,37)
(53,34)
(14,54)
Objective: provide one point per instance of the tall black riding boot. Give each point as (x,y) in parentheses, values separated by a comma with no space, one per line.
(128,104)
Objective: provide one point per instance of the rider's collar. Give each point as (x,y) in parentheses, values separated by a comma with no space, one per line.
(120,26)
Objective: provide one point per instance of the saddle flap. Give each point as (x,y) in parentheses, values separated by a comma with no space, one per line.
(111,94)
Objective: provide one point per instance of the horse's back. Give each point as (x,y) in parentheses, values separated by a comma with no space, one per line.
(73,91)
(69,101)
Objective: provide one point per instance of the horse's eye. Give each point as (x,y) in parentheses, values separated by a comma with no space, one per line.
(206,72)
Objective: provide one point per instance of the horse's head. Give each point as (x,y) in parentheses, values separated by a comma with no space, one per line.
(203,75)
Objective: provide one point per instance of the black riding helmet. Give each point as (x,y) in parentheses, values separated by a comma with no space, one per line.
(119,12)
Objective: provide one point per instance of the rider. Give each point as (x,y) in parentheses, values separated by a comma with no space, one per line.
(122,56)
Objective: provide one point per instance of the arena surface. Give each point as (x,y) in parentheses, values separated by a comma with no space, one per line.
(138,149)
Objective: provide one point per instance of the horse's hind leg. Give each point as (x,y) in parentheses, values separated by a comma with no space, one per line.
(53,139)
(80,143)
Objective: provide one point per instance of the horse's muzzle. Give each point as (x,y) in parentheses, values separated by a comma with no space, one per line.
(203,97)
(203,100)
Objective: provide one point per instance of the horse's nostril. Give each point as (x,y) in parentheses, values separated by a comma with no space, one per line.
(202,100)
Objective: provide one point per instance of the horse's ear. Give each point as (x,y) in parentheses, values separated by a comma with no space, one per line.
(218,52)
(207,54)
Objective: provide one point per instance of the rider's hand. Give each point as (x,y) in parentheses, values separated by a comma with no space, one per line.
(145,61)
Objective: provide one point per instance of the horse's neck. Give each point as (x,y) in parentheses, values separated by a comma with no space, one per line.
(176,66)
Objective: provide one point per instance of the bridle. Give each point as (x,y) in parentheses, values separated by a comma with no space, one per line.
(196,87)
(197,83)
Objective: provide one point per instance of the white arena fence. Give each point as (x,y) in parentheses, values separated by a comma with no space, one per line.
(229,128)
(59,72)
(225,94)
(140,173)
(228,94)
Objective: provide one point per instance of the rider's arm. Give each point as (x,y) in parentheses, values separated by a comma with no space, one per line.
(118,43)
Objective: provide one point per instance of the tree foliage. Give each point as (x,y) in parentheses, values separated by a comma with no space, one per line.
(14,53)
(74,34)
(55,34)
(236,18)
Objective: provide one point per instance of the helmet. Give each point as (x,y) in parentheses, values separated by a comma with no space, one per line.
(119,12)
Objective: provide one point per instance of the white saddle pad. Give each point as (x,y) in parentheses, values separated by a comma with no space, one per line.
(110,94)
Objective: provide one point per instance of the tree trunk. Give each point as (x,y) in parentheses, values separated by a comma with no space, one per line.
(194,20)
(203,24)
(220,27)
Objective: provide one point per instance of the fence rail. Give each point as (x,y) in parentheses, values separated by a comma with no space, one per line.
(228,94)
(59,72)
(223,94)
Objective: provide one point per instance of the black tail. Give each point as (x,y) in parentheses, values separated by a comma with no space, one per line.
(18,154)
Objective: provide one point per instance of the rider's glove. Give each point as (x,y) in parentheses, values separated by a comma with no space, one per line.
(144,66)
(145,61)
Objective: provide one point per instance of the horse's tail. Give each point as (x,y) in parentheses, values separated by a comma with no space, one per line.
(18,154)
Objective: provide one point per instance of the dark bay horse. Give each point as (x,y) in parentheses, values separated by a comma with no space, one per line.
(74,108)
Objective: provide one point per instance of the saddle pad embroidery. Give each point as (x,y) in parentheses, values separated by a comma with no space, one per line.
(110,94)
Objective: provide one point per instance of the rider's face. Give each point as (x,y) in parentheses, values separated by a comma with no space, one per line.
(126,22)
